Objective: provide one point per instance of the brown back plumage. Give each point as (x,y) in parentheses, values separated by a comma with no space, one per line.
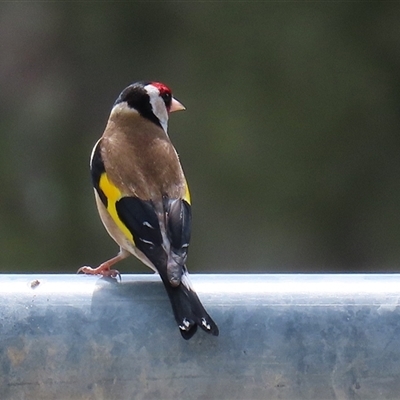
(148,164)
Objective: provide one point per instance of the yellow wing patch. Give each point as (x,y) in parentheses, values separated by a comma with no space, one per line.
(113,194)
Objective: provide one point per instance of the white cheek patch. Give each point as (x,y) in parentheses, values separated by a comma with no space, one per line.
(158,106)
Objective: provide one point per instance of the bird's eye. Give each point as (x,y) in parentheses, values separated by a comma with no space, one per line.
(167,97)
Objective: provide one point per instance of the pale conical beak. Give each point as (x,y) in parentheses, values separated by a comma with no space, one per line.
(176,106)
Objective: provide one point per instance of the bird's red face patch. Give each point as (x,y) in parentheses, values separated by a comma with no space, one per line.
(161,87)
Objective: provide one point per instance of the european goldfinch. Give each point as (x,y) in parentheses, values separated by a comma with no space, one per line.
(143,198)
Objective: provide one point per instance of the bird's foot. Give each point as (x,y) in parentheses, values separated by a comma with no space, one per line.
(103,270)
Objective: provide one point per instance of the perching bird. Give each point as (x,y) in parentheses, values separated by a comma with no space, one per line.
(143,198)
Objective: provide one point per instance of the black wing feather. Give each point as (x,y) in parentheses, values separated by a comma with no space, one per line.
(141,220)
(179,223)
(96,170)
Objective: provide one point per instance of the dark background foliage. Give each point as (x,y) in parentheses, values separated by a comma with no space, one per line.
(290,141)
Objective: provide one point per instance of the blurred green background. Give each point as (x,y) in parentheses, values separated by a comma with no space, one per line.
(290,141)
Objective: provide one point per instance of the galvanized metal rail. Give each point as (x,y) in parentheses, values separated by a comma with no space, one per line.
(281,337)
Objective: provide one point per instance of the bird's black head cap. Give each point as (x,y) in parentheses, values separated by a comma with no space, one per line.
(136,96)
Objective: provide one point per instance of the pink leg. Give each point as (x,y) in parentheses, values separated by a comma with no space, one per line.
(105,268)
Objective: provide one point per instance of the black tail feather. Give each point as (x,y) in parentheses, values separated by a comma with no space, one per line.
(188,310)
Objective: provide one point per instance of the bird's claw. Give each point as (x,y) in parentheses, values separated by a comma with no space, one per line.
(103,271)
